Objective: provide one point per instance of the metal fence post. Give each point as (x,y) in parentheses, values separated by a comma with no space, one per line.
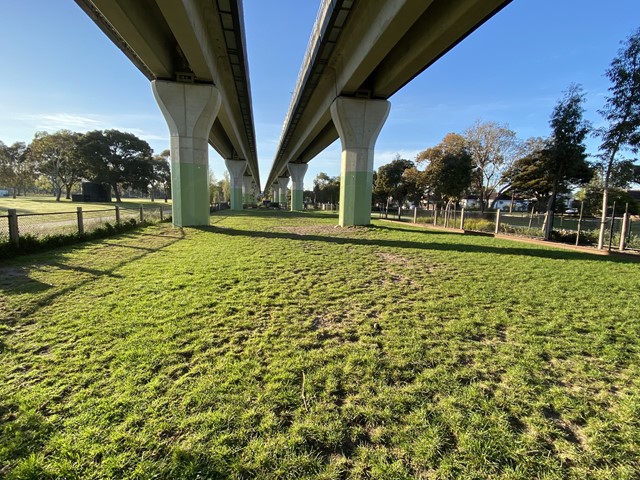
(497,221)
(141,214)
(80,221)
(462,219)
(117,215)
(14,234)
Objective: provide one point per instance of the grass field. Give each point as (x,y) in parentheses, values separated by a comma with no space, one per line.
(274,345)
(48,204)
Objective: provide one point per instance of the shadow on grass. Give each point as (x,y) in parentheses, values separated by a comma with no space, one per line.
(16,279)
(268,213)
(554,254)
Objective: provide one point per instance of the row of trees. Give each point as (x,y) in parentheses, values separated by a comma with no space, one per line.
(60,160)
(489,159)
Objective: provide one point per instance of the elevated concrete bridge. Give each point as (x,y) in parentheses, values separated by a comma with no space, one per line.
(194,54)
(360,53)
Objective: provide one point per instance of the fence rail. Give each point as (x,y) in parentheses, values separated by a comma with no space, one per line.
(620,234)
(15,225)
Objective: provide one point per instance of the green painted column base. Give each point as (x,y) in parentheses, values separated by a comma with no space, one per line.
(190,194)
(297,200)
(355,198)
(236,198)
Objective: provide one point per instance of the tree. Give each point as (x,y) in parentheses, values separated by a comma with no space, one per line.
(224,186)
(527,176)
(326,189)
(56,156)
(16,169)
(161,175)
(117,158)
(564,160)
(591,195)
(493,148)
(392,184)
(622,113)
(449,169)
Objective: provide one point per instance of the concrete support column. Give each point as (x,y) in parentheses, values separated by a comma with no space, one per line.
(297,171)
(189,110)
(358,122)
(282,183)
(276,193)
(236,170)
(247,189)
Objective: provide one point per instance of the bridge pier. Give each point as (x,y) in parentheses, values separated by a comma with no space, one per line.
(190,111)
(358,122)
(275,193)
(282,183)
(236,170)
(297,171)
(247,189)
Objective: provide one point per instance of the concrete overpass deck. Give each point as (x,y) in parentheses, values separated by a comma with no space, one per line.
(360,53)
(194,53)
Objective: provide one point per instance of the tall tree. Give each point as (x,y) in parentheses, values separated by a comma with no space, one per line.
(564,159)
(16,169)
(391,182)
(622,113)
(326,189)
(161,177)
(119,159)
(528,175)
(493,148)
(56,156)
(449,168)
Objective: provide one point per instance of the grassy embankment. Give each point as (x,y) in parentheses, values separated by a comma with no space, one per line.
(273,345)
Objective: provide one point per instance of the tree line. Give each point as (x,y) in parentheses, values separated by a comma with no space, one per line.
(488,160)
(56,162)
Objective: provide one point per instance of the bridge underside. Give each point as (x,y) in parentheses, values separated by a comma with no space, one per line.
(366,51)
(198,45)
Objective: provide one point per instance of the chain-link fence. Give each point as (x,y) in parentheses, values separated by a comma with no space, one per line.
(566,228)
(14,225)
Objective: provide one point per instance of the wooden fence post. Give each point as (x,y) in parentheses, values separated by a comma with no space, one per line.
(161,214)
(14,234)
(80,221)
(435,217)
(497,221)
(141,214)
(623,232)
(415,214)
(117,215)
(579,223)
(462,219)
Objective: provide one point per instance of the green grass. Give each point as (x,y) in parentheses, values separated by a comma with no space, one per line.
(274,345)
(48,204)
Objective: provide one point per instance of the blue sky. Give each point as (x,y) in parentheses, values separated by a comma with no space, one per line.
(60,71)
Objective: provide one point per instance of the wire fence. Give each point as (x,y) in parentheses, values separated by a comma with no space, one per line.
(19,225)
(566,228)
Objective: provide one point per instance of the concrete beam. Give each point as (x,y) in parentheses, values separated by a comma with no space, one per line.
(189,110)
